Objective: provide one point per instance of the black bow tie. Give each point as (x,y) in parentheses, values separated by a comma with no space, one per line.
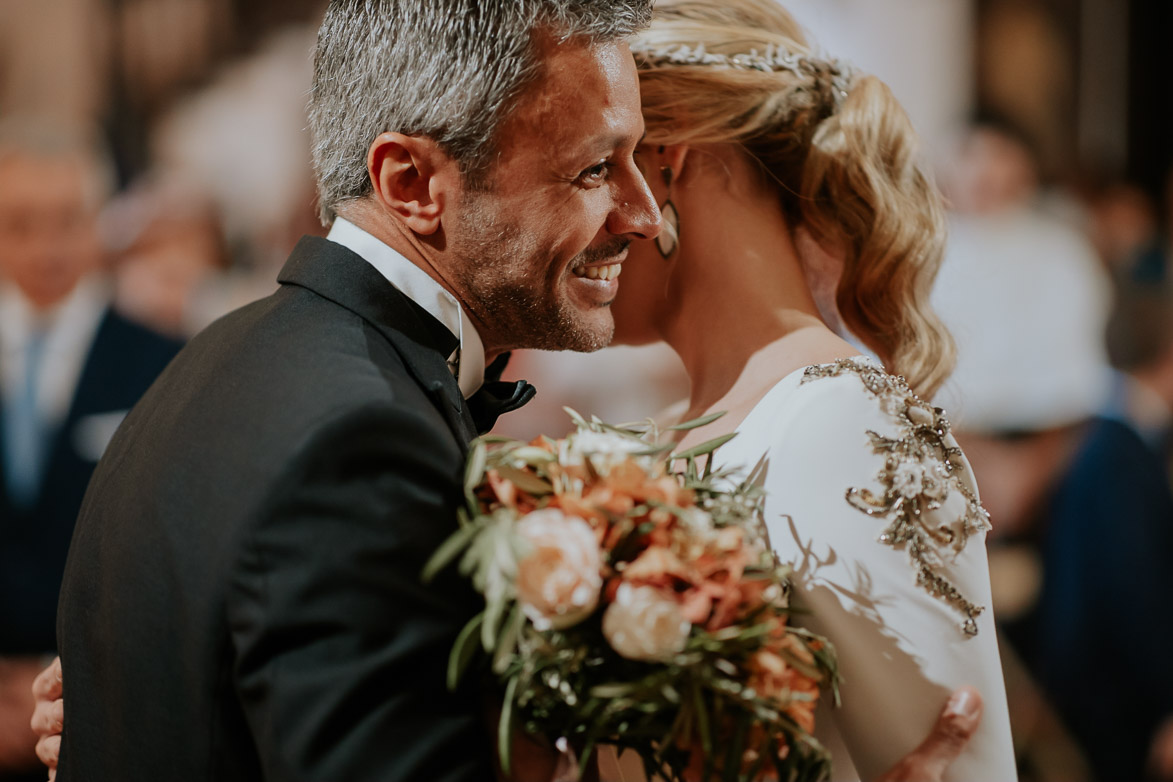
(497,397)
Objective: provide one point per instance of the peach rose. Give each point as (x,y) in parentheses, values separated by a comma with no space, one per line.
(645,623)
(559,580)
(658,565)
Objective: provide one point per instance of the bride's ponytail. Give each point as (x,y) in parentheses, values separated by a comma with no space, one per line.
(841,152)
(863,191)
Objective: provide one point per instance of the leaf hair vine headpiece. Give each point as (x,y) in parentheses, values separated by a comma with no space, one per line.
(776,58)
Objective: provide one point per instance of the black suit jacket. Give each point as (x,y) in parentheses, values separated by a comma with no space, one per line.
(123,360)
(242,599)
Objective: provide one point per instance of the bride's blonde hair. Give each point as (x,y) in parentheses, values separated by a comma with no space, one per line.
(841,150)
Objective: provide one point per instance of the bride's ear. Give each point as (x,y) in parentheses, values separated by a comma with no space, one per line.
(675,157)
(822,267)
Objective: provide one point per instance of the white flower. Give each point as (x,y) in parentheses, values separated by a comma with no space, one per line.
(644,623)
(604,449)
(559,579)
(909,480)
(699,522)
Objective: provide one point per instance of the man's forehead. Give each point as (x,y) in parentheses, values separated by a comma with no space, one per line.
(586,94)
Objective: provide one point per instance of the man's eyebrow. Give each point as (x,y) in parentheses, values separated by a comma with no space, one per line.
(596,148)
(614,142)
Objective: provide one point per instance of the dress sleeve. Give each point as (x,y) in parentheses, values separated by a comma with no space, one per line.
(870,498)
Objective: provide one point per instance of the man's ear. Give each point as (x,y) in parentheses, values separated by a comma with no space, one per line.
(411,177)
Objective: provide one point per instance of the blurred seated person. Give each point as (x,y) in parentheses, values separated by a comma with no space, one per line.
(70,368)
(1099,639)
(1140,344)
(1126,232)
(169,244)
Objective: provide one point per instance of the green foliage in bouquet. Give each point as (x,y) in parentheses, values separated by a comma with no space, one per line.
(632,599)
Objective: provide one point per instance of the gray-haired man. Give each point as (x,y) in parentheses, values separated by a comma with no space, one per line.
(242,599)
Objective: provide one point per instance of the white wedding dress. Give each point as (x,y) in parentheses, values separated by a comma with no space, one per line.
(870,499)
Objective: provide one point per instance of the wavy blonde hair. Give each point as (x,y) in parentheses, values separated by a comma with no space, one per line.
(845,166)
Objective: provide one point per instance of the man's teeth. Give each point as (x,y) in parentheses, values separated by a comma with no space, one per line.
(608,272)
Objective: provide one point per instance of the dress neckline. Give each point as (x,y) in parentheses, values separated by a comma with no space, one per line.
(786,382)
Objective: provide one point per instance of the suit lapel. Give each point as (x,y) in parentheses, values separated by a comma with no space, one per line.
(335,273)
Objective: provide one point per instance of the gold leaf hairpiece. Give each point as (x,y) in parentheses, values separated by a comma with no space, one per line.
(776,58)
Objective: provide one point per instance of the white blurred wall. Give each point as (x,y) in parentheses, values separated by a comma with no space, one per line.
(51,55)
(923,49)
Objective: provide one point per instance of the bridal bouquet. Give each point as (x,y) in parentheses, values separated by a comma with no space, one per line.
(631,599)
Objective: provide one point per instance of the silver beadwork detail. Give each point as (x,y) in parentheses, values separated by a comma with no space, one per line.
(775,58)
(922,466)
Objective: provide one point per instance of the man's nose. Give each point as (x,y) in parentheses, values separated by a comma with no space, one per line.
(636,215)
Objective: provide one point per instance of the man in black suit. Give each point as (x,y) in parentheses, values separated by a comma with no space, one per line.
(242,599)
(70,369)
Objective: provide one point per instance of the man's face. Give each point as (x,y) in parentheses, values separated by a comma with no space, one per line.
(48,232)
(537,256)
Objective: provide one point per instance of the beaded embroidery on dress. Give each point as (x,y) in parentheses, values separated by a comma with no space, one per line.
(922,465)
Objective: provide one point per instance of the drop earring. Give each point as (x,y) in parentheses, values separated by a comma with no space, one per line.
(669,238)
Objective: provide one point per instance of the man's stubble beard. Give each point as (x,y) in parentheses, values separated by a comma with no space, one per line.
(505,280)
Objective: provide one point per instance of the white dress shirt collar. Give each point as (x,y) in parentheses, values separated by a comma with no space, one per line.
(418,285)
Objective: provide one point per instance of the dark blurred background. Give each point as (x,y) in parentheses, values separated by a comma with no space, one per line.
(154,173)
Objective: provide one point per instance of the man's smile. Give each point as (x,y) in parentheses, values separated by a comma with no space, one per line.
(607,271)
(604,269)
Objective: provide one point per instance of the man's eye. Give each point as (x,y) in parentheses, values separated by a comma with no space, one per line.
(595,175)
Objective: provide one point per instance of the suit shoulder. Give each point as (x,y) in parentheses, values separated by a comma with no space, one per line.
(278,375)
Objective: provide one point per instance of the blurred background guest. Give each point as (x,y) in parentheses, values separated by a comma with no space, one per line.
(70,369)
(1070,457)
(1140,344)
(1022,291)
(1105,537)
(167,246)
(1126,229)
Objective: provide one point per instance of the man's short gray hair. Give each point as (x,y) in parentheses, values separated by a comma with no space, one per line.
(446,69)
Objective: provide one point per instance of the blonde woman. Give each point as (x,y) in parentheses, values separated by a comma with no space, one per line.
(795,209)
